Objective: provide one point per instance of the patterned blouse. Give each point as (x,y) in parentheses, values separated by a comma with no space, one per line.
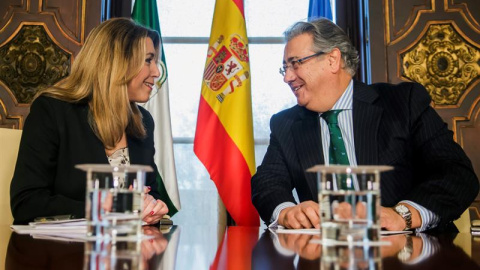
(119,158)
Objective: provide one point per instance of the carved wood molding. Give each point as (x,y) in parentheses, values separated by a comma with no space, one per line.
(26,64)
(69,20)
(459,123)
(76,30)
(462,8)
(21,7)
(9,121)
(392,35)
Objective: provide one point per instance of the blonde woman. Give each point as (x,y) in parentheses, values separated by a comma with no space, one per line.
(90,117)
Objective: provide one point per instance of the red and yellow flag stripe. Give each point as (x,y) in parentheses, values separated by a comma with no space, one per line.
(224,135)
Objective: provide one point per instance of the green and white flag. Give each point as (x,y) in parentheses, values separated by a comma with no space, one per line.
(145,12)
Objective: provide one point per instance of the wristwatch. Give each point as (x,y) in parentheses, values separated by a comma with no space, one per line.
(406,252)
(405,213)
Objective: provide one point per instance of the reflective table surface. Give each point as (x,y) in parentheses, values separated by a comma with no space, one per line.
(197,247)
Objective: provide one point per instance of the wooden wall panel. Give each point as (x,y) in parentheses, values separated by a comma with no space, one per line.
(435,43)
(403,14)
(68,15)
(38,42)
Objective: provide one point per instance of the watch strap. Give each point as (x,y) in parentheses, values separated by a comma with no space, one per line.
(405,213)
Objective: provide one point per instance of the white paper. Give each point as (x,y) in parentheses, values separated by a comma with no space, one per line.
(53,230)
(64,238)
(317,231)
(347,243)
(382,232)
(63,230)
(64,222)
(298,231)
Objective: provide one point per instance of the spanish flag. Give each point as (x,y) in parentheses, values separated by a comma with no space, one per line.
(224,135)
(235,250)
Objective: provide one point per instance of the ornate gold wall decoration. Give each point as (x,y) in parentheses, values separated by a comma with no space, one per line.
(442,61)
(32,61)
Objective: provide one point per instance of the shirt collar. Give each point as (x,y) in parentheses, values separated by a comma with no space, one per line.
(345,101)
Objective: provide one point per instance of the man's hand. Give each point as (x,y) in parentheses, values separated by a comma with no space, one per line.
(391,220)
(343,210)
(397,242)
(303,215)
(301,244)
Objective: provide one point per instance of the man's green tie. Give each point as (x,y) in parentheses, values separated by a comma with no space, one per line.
(337,152)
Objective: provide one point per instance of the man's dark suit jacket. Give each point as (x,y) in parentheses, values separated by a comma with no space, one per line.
(55,138)
(393,125)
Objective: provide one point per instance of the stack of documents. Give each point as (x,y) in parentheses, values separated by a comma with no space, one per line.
(68,228)
(476,227)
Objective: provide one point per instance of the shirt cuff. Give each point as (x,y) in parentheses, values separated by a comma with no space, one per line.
(429,219)
(276,213)
(280,249)
(430,246)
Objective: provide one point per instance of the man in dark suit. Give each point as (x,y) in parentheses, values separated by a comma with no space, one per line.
(433,181)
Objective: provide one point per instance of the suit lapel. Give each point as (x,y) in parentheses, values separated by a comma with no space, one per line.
(306,135)
(134,151)
(97,153)
(366,121)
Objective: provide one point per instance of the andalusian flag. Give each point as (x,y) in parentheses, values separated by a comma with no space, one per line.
(145,12)
(224,135)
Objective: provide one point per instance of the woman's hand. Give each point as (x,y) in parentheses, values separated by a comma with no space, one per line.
(153,209)
(153,246)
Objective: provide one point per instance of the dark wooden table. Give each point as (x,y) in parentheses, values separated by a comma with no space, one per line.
(239,248)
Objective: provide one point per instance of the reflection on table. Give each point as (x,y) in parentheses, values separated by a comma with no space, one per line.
(415,251)
(197,247)
(126,255)
(40,252)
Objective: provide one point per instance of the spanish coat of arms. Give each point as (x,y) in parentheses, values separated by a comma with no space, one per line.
(224,68)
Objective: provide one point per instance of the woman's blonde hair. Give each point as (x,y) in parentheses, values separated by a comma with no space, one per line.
(113,54)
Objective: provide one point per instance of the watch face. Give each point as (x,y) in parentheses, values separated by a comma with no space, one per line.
(404,212)
(406,252)
(401,209)
(404,255)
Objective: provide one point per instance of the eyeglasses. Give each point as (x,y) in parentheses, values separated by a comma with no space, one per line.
(294,64)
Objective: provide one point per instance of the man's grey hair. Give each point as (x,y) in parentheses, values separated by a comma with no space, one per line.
(327,36)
